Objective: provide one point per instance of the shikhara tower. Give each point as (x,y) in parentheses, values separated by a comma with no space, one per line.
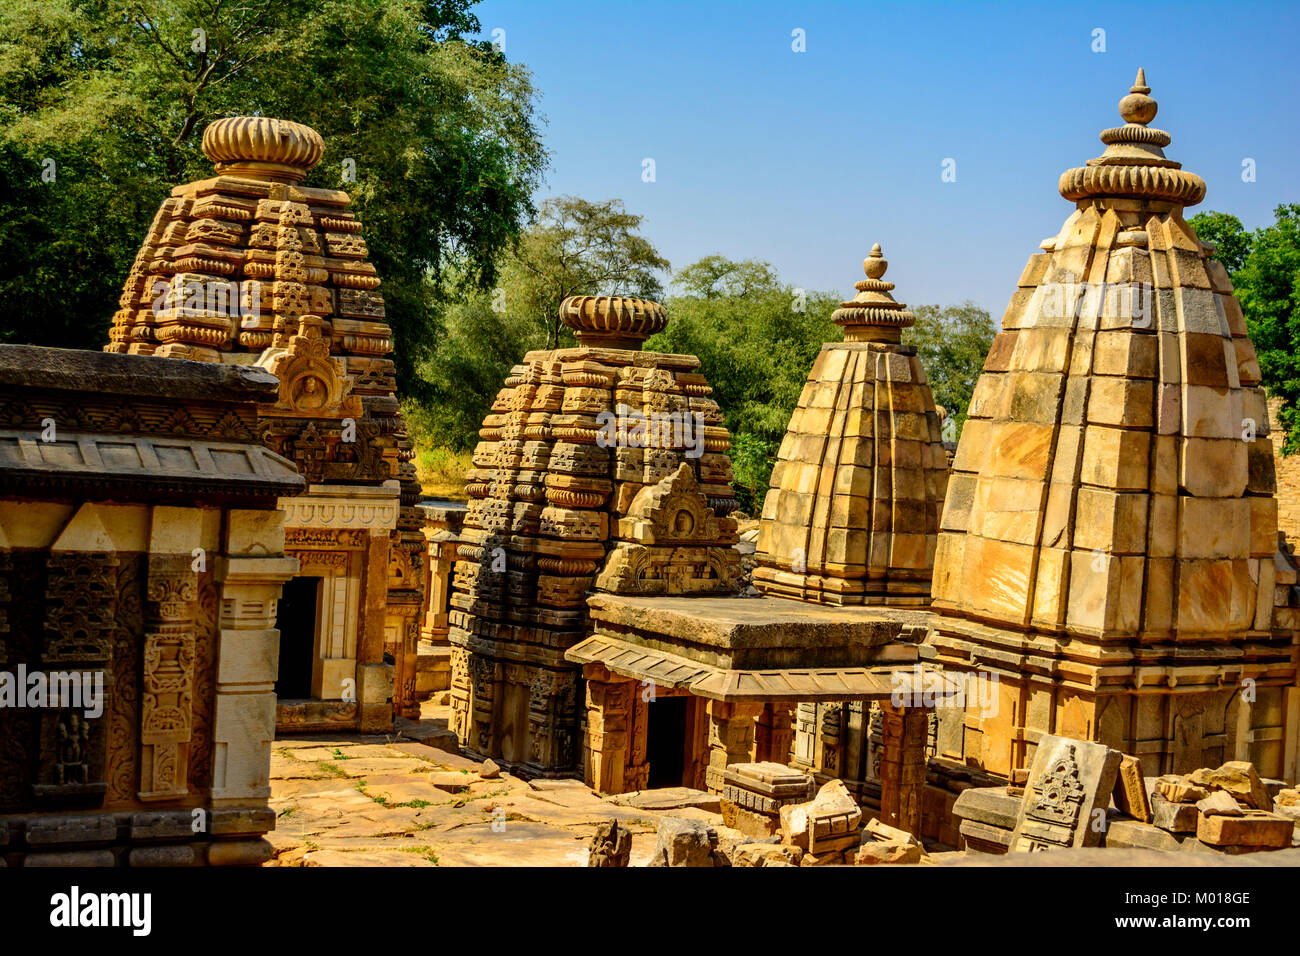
(251,267)
(852,513)
(1109,535)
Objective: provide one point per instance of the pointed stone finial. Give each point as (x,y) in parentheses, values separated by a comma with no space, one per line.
(1138,107)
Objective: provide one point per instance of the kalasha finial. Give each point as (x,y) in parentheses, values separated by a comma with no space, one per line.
(259,147)
(872,315)
(875,264)
(613,321)
(1134,165)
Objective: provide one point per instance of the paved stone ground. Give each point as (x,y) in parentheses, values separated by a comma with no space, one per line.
(369,801)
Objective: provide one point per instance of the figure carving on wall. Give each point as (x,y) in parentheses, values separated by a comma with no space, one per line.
(74,749)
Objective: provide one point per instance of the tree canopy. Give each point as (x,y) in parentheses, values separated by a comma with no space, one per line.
(576,247)
(105,102)
(952,343)
(1264,266)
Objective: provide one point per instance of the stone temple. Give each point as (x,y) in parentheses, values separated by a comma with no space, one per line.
(853,514)
(601,467)
(252,268)
(211,538)
(1109,539)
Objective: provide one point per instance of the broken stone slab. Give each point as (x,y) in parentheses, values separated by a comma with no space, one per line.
(887,851)
(1238,778)
(752,823)
(1131,790)
(1173,817)
(982,838)
(489,770)
(885,833)
(1254,828)
(766,854)
(832,820)
(685,842)
(825,858)
(1287,798)
(769,779)
(669,798)
(1177,789)
(452,781)
(1219,804)
(991,806)
(611,846)
(1070,782)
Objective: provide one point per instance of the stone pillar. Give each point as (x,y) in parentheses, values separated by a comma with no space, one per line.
(774,734)
(250,575)
(731,738)
(902,764)
(437,584)
(610,701)
(374,677)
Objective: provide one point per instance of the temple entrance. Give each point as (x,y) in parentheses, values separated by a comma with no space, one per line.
(296,619)
(666,733)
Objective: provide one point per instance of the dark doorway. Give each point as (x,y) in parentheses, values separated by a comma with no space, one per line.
(665,746)
(296,619)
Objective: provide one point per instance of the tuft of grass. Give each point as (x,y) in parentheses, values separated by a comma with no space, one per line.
(340,755)
(361,789)
(424,851)
(331,768)
(442,471)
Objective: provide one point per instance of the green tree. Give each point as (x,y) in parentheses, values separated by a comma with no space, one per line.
(1267,282)
(716,276)
(756,338)
(952,343)
(576,247)
(116,93)
(1227,234)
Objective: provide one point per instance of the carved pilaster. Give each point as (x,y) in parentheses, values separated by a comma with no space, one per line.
(166,719)
(902,766)
(610,709)
(731,738)
(248,647)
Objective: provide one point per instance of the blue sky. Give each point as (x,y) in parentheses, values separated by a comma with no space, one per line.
(806,159)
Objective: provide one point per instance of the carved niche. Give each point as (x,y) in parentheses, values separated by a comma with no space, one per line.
(312,383)
(81,597)
(672,542)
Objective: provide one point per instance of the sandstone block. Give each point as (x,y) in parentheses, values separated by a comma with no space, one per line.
(887,851)
(1131,790)
(766,854)
(1253,828)
(1177,789)
(1239,779)
(1174,817)
(1219,804)
(685,842)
